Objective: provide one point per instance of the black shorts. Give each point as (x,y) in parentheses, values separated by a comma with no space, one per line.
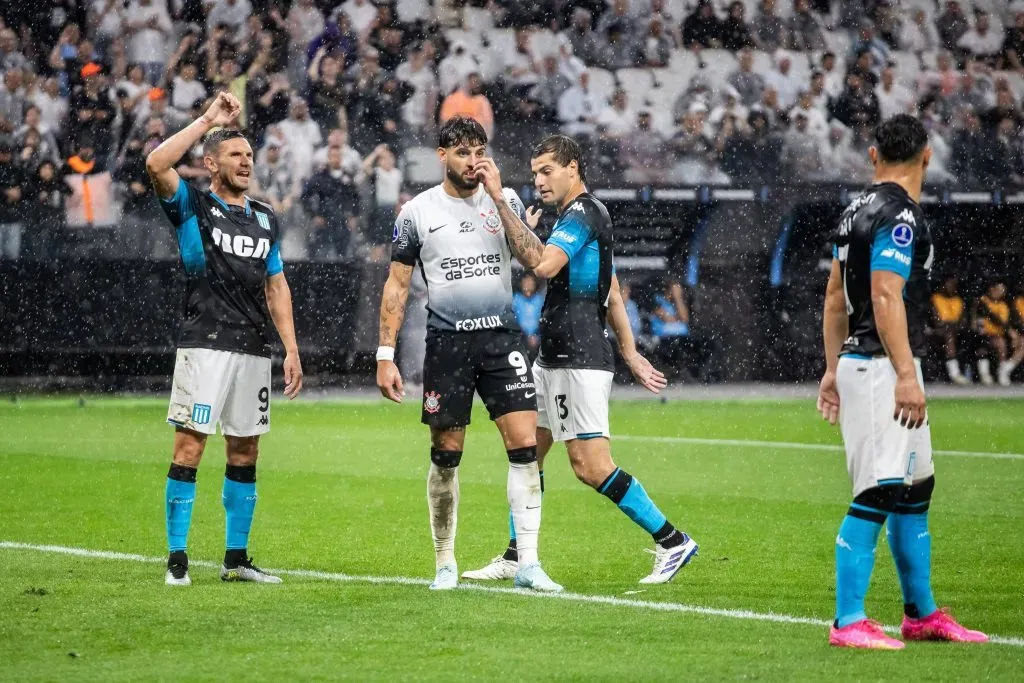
(493,363)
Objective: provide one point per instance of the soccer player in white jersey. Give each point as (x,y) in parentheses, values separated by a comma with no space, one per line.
(474,344)
(575,366)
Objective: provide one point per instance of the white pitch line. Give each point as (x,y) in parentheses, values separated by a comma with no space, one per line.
(743,614)
(790,445)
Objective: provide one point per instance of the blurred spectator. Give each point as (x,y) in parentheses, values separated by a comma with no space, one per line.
(949,319)
(456,67)
(39,134)
(981,42)
(303,136)
(332,200)
(657,44)
(972,153)
(183,77)
(53,109)
(381,112)
(160,108)
(835,79)
(945,78)
(863,66)
(779,79)
(386,180)
(971,94)
(695,153)
(636,322)
(817,122)
(702,28)
(11,57)
(1013,43)
(469,100)
(149,26)
(230,14)
(1001,340)
(769,29)
(276,181)
(858,105)
(819,95)
(751,154)
(135,86)
(698,91)
(842,161)
(660,9)
(804,31)
(643,153)
(551,86)
(670,327)
(141,215)
(327,94)
(304,23)
(745,80)
(735,32)
(919,34)
(951,25)
(45,194)
(270,99)
(579,108)
(418,110)
(893,97)
(582,38)
(351,159)
(617,51)
(361,13)
(12,101)
(868,41)
(12,213)
(521,67)
(527,303)
(619,17)
(802,152)
(1005,108)
(92,110)
(618,120)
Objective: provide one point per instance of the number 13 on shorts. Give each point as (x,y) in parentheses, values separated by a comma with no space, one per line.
(573,403)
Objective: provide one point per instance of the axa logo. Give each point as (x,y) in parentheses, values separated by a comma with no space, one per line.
(576,206)
(216,212)
(486,323)
(907,216)
(241,245)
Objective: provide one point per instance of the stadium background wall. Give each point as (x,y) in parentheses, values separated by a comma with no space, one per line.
(754,262)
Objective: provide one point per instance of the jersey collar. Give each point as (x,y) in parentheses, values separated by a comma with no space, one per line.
(227,206)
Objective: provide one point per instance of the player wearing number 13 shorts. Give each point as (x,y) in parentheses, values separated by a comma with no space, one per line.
(474,345)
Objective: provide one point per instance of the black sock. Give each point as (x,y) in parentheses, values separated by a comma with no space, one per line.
(232,558)
(511,554)
(668,536)
(177,557)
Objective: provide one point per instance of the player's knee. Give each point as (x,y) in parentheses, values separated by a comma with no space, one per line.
(242,451)
(882,499)
(445,459)
(188,448)
(447,439)
(522,456)
(587,471)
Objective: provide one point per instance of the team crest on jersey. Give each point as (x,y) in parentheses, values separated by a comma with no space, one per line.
(491,222)
(902,235)
(432,402)
(262,219)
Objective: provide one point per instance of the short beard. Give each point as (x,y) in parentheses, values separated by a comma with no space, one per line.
(226,182)
(460,182)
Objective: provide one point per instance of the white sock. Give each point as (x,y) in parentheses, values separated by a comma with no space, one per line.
(953,368)
(1007,367)
(524,500)
(443,502)
(985,369)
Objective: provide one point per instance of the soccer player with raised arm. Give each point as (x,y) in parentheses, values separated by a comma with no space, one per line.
(575,367)
(876,308)
(455,233)
(235,289)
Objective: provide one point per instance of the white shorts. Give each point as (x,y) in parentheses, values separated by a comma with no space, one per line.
(225,387)
(878,450)
(573,404)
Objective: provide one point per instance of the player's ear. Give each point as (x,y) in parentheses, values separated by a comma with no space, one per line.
(873,155)
(926,157)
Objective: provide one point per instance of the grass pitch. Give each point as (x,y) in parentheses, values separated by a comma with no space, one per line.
(342,490)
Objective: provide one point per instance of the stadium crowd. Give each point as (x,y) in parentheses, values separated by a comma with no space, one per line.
(342,100)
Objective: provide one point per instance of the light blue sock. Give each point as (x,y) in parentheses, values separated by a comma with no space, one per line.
(179,496)
(239,499)
(629,495)
(855,559)
(911,547)
(511,524)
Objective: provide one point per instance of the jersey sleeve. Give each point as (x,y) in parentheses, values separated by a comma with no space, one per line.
(405,240)
(892,247)
(274,263)
(180,207)
(571,232)
(515,202)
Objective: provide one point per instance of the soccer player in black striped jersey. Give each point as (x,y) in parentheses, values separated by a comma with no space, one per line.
(574,370)
(876,306)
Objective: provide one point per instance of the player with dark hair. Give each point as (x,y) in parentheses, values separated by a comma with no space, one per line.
(575,367)
(454,231)
(235,289)
(876,309)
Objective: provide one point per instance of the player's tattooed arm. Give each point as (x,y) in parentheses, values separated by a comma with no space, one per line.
(392,305)
(525,245)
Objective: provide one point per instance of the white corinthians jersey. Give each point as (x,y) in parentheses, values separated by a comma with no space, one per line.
(466,260)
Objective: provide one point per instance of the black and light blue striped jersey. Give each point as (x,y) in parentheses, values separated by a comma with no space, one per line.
(572,324)
(228,252)
(884,229)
